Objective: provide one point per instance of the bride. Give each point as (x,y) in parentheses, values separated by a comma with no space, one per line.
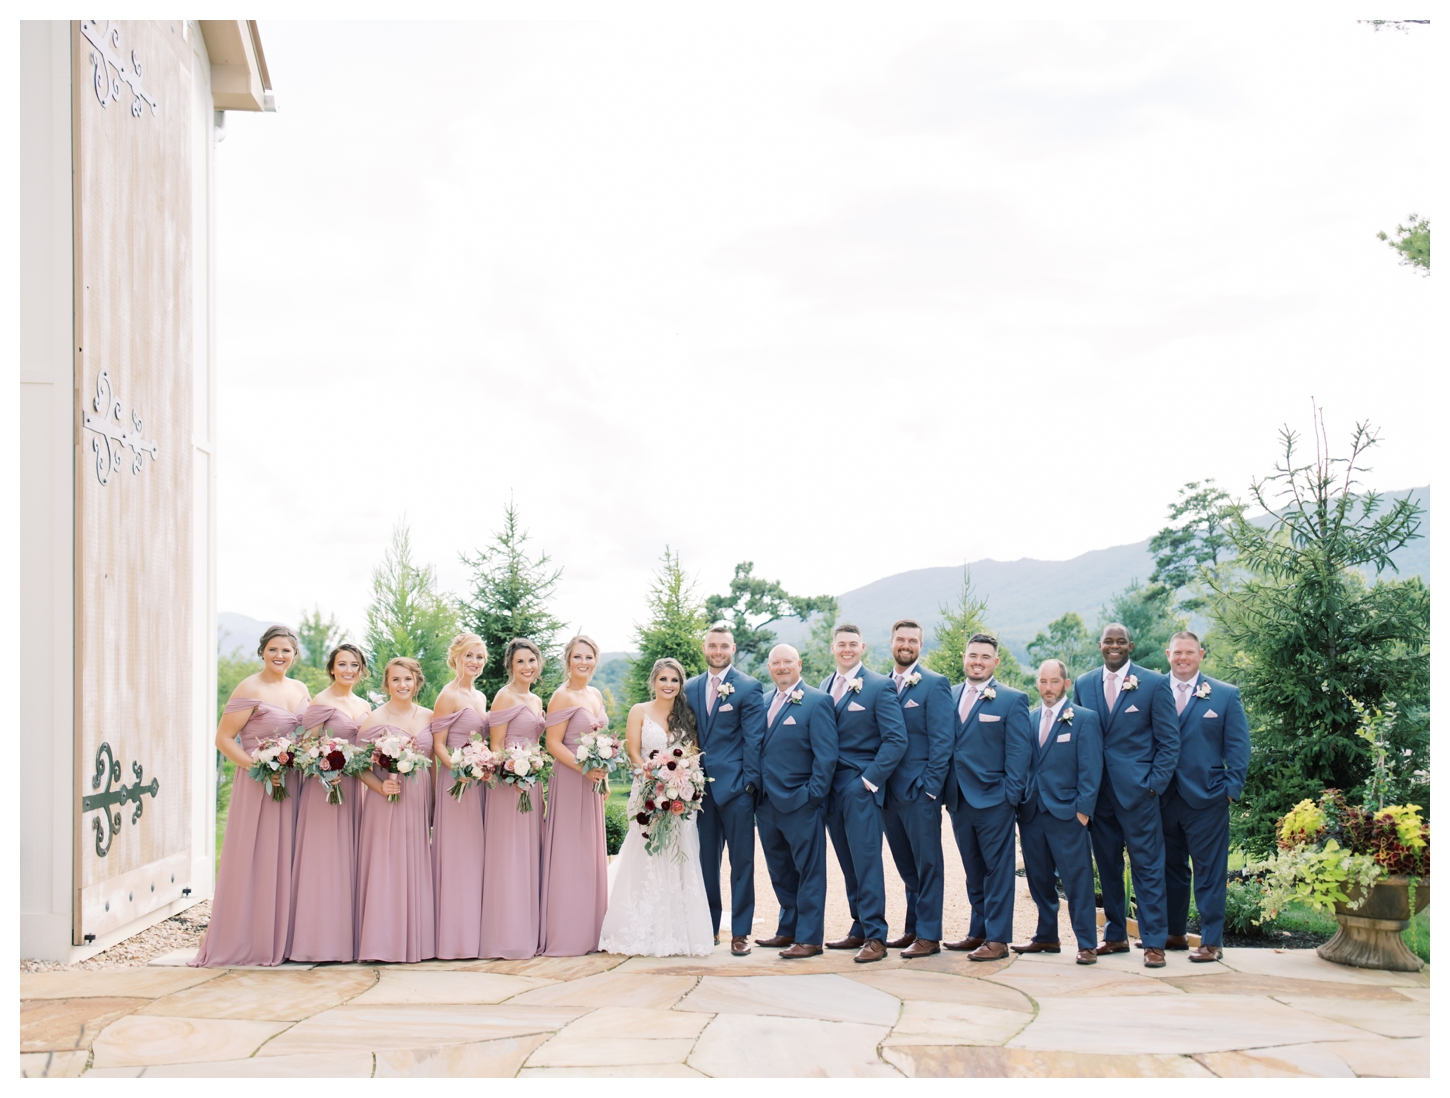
(657,903)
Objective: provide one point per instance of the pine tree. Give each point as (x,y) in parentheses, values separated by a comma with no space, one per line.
(676,627)
(1066,639)
(959,622)
(318,638)
(1200,540)
(511,596)
(407,617)
(752,605)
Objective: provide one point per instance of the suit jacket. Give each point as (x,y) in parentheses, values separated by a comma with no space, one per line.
(927,710)
(1140,735)
(992,750)
(870,729)
(799,750)
(1068,769)
(1213,753)
(730,736)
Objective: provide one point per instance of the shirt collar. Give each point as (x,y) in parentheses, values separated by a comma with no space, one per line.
(1122,672)
(1056,710)
(969,685)
(796,686)
(1191,682)
(720,675)
(854,673)
(908,672)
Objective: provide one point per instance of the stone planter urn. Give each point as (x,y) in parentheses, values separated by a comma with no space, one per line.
(1369,936)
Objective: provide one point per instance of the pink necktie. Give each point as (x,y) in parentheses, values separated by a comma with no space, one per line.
(1046,726)
(1110,690)
(775,706)
(711,689)
(969,698)
(838,688)
(900,682)
(1183,695)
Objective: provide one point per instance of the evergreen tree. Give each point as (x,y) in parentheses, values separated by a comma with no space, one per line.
(676,627)
(817,661)
(511,596)
(1201,539)
(1311,634)
(1066,639)
(318,638)
(752,605)
(949,642)
(407,617)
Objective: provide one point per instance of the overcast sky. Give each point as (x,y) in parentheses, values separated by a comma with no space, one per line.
(841,300)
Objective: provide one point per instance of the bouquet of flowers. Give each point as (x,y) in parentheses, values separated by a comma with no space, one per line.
(329,760)
(273,757)
(397,755)
(523,766)
(671,787)
(600,751)
(473,762)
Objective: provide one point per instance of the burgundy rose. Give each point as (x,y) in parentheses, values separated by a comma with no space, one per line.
(671,765)
(335,760)
(649,806)
(643,818)
(679,754)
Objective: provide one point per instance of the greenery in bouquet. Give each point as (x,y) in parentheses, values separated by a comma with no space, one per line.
(270,763)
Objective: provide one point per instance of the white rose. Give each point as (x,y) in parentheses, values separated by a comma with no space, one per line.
(581,754)
(405,767)
(521,767)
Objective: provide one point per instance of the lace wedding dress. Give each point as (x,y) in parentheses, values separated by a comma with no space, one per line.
(657,903)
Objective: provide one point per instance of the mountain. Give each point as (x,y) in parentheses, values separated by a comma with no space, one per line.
(1023,596)
(239,635)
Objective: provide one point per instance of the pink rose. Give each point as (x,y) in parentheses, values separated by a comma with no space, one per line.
(677,808)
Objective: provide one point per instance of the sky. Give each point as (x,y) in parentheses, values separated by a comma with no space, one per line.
(840,299)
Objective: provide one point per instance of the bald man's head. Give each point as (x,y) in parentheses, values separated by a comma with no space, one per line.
(785,665)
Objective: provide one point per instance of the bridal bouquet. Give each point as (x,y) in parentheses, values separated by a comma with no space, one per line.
(473,762)
(523,766)
(396,754)
(600,751)
(273,757)
(671,787)
(329,760)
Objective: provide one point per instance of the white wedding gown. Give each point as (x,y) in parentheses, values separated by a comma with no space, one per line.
(657,903)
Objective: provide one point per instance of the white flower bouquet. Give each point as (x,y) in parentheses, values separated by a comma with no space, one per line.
(523,766)
(671,787)
(396,754)
(272,759)
(472,762)
(600,751)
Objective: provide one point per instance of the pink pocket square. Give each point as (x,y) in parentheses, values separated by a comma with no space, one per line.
(855,708)
(726,708)
(790,720)
(1065,737)
(987,717)
(1131,709)
(910,705)
(1210,713)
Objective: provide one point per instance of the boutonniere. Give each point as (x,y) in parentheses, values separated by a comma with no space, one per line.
(1203,691)
(796,697)
(913,678)
(990,693)
(1130,683)
(726,689)
(1066,716)
(855,686)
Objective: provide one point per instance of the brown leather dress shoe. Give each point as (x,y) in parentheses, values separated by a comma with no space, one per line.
(1153,958)
(966,945)
(1204,954)
(922,947)
(873,949)
(1112,947)
(799,950)
(848,942)
(1087,956)
(1176,942)
(988,951)
(777,942)
(1038,947)
(902,942)
(739,945)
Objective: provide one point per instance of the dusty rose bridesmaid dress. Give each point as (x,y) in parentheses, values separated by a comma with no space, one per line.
(250,912)
(575,876)
(394,866)
(458,846)
(511,854)
(324,857)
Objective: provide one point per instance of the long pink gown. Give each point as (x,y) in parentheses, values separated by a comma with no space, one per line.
(324,857)
(575,874)
(511,854)
(394,867)
(250,912)
(458,845)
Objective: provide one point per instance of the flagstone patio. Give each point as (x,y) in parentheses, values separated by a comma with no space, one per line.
(1260,1013)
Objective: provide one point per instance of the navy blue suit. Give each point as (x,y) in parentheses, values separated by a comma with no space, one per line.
(1066,772)
(1140,751)
(797,760)
(912,818)
(991,766)
(730,738)
(872,735)
(1213,761)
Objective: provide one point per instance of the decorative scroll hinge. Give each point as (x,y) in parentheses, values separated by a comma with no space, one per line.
(109,768)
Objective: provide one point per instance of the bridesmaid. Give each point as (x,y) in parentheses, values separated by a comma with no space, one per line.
(394,870)
(459,712)
(510,837)
(324,857)
(575,873)
(251,906)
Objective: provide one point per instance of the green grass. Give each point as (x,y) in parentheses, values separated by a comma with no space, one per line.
(223,802)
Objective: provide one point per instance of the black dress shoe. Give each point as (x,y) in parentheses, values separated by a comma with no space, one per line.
(778,942)
(902,942)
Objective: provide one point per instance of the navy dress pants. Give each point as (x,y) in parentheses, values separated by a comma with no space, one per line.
(854,823)
(1200,834)
(1060,848)
(731,824)
(1140,830)
(984,837)
(794,844)
(913,832)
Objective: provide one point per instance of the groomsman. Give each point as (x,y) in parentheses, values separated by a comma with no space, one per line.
(1140,750)
(730,717)
(991,764)
(872,738)
(1067,767)
(797,759)
(912,818)
(1213,761)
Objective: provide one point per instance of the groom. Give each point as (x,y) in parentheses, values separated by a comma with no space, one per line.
(730,717)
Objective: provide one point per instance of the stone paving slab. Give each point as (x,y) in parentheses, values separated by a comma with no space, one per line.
(53,1065)
(611,989)
(141,1040)
(1403,1019)
(641,1071)
(938,1023)
(54,1025)
(638,1022)
(1284,1062)
(336,1065)
(380,1028)
(499,1059)
(980,1062)
(759,962)
(285,995)
(827,997)
(1404,1059)
(940,987)
(132,983)
(750,1046)
(410,985)
(566,1050)
(1305,964)
(1251,983)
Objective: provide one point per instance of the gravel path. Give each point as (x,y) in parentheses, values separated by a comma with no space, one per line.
(181,931)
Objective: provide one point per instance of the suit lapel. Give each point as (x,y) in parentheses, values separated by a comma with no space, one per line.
(981,697)
(1192,706)
(780,715)
(845,694)
(1122,691)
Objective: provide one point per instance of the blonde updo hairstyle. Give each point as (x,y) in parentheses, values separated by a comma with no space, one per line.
(407,664)
(461,644)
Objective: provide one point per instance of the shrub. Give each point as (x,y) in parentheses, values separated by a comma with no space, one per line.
(616,827)
(1244,908)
